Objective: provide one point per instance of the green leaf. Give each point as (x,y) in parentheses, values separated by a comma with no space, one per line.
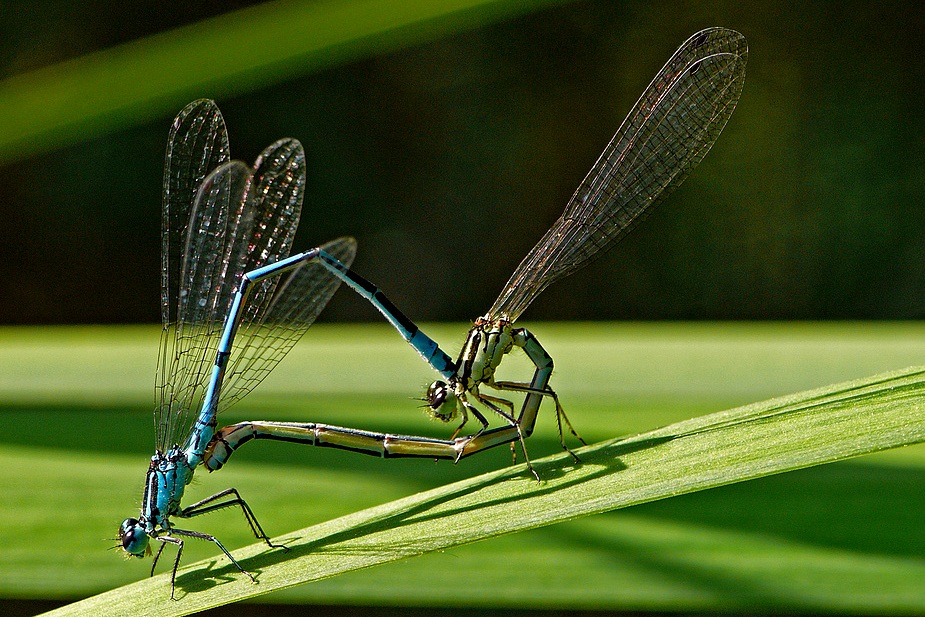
(783,434)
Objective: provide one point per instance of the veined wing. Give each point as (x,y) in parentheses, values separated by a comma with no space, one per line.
(279,310)
(196,145)
(269,330)
(666,134)
(242,219)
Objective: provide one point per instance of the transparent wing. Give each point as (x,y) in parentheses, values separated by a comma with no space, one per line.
(269,330)
(666,134)
(241,218)
(207,281)
(196,145)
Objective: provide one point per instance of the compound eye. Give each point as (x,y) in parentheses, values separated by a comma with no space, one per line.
(441,401)
(133,537)
(436,394)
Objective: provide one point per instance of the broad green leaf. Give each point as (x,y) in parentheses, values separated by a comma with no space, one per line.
(783,434)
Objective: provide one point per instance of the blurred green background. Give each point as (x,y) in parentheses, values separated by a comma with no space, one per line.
(448,145)
(446,136)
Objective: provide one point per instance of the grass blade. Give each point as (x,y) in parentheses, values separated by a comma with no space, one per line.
(783,434)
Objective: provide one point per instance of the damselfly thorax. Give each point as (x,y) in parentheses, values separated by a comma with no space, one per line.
(490,339)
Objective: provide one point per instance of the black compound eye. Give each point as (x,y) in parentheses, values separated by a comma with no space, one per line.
(127,524)
(436,394)
(133,537)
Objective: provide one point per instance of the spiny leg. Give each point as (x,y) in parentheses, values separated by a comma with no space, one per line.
(203,507)
(465,419)
(200,536)
(158,554)
(487,401)
(510,406)
(509,416)
(514,386)
(176,562)
(469,408)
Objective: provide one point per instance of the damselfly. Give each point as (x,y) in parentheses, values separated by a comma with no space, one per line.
(233,303)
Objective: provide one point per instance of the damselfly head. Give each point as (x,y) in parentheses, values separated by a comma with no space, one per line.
(441,401)
(134,538)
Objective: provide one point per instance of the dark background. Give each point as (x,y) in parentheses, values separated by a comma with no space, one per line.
(448,160)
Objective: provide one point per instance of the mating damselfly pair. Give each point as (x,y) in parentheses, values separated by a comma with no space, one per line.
(234,301)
